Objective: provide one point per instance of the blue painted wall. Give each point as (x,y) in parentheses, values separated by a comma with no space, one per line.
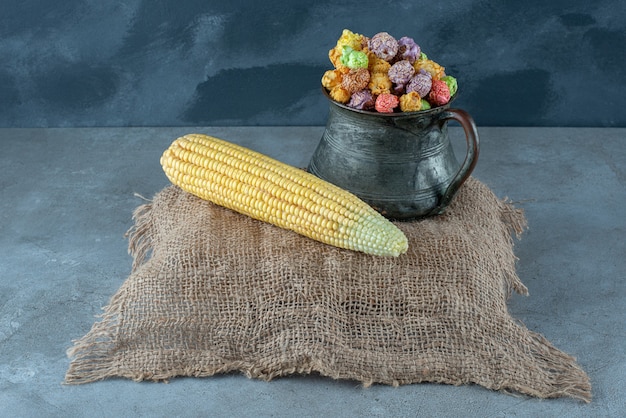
(232,62)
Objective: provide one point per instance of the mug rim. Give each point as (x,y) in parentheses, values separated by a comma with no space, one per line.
(432,110)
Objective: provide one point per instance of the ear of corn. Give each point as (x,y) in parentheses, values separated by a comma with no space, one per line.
(268,190)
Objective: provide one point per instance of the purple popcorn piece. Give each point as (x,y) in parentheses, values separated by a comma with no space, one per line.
(401,72)
(408,49)
(363,100)
(420,83)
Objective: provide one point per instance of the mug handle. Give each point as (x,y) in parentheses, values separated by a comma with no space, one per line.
(471,136)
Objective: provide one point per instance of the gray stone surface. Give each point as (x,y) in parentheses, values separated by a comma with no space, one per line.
(172,63)
(66,199)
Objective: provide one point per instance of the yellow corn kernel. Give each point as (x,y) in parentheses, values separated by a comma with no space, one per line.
(269,190)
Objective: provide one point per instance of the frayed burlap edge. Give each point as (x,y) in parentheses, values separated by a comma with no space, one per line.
(140,235)
(516,223)
(93,357)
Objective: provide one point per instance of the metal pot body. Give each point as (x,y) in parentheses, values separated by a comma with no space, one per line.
(402,164)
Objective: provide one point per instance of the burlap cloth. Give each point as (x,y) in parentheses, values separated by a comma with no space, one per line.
(213,291)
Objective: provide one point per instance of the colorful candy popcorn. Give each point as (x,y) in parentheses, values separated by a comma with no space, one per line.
(362,100)
(410,102)
(386,103)
(435,70)
(378,65)
(452,84)
(340,95)
(331,78)
(400,73)
(379,83)
(353,59)
(355,80)
(398,70)
(384,46)
(351,39)
(408,49)
(420,83)
(439,93)
(334,55)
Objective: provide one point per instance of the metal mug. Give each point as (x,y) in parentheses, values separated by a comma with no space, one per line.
(402,164)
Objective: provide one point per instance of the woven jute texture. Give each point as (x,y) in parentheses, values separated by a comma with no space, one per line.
(213,291)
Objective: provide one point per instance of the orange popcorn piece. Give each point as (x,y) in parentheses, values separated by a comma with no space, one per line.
(334,55)
(379,84)
(339,94)
(331,79)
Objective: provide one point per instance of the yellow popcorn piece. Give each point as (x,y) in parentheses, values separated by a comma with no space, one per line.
(378,65)
(435,70)
(339,94)
(410,102)
(331,79)
(379,84)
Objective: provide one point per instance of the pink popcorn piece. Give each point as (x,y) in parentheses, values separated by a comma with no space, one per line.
(439,93)
(386,103)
